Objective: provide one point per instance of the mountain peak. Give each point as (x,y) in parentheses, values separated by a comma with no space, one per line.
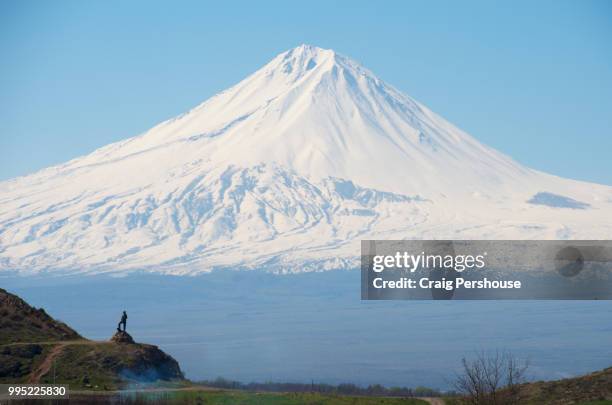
(301,59)
(308,50)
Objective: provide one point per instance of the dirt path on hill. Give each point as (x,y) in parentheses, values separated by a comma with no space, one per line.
(46,365)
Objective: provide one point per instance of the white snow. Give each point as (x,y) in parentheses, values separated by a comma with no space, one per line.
(286,171)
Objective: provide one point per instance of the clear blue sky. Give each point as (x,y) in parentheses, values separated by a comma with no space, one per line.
(530,78)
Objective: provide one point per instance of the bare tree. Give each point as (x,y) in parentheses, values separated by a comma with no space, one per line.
(491,379)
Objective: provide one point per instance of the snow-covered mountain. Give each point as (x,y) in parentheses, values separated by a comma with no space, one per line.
(286,171)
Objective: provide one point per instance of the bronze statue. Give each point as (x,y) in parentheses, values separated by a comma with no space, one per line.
(123,322)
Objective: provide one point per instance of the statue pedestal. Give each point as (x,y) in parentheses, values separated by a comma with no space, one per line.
(122,337)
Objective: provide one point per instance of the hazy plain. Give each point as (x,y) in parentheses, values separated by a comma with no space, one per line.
(253,326)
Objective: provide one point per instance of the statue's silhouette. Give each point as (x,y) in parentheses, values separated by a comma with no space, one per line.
(123,322)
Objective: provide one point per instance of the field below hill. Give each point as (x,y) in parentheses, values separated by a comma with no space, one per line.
(203,396)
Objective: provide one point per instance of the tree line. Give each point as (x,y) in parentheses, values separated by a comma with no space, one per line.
(340,389)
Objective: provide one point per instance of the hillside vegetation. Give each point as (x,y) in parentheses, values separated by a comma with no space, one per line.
(20,322)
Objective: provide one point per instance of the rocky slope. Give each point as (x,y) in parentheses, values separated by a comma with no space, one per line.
(19,322)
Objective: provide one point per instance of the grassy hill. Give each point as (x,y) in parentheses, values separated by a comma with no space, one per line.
(35,348)
(593,388)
